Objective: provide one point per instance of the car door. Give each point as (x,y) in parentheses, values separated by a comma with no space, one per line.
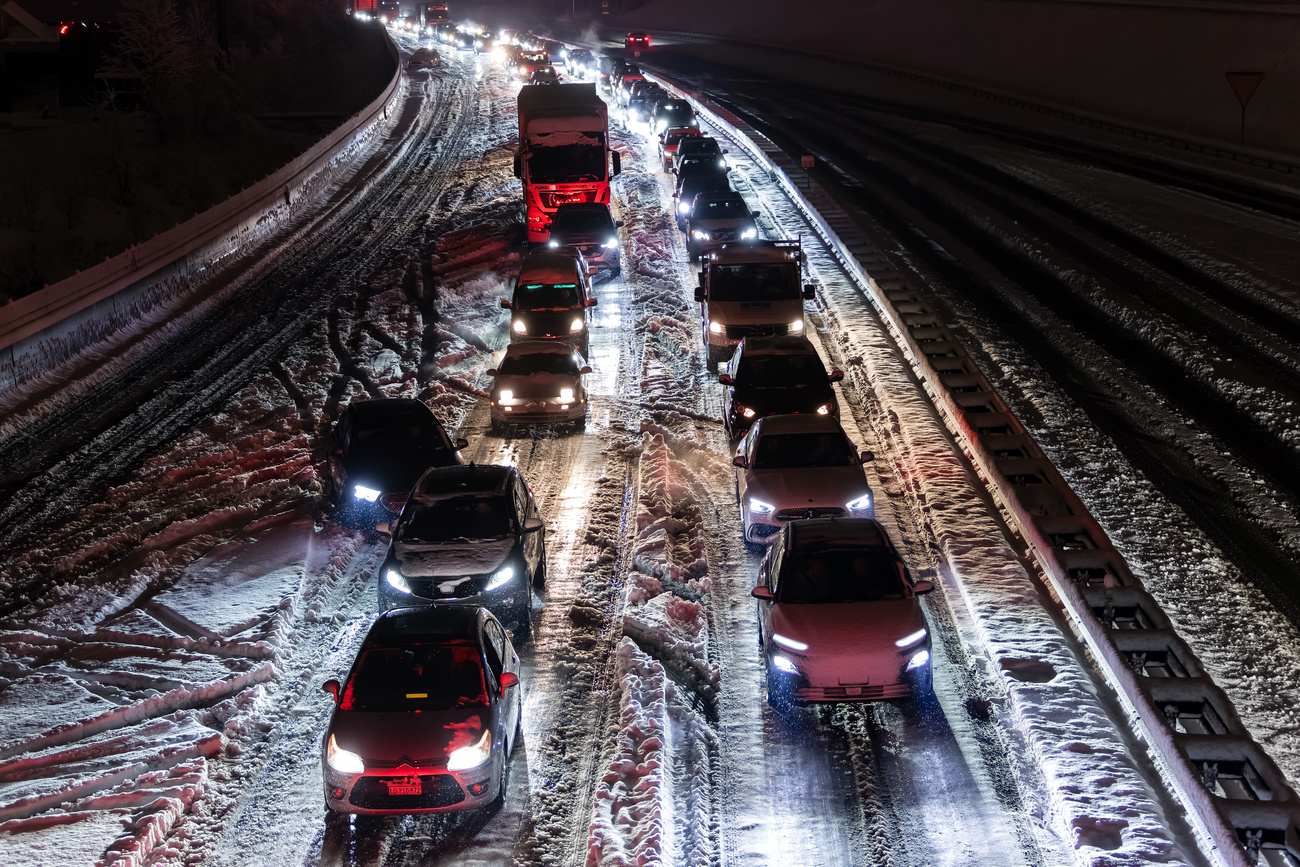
(501,657)
(767,577)
(531,541)
(339,449)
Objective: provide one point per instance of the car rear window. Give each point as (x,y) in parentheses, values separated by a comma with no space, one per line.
(860,575)
(416,677)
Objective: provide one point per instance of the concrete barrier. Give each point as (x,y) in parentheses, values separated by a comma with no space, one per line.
(41,330)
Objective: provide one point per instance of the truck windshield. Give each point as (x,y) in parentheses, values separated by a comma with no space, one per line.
(554,164)
(758,281)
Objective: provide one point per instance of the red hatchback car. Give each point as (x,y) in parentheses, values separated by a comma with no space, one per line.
(838,616)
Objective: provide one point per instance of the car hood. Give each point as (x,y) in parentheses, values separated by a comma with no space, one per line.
(737,223)
(395,473)
(549,323)
(538,385)
(417,739)
(451,559)
(851,642)
(808,486)
(773,401)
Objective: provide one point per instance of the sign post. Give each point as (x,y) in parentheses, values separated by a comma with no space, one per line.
(1244,84)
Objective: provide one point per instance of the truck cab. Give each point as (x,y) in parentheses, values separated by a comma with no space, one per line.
(751,289)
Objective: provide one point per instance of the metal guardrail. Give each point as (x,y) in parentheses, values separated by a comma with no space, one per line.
(40,330)
(1237,797)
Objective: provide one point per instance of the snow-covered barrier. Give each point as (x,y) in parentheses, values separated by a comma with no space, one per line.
(1239,802)
(41,330)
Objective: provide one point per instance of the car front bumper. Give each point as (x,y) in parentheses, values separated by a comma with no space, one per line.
(538,412)
(382,791)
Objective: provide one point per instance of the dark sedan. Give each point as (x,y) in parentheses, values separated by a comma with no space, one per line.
(427,718)
(776,375)
(470,535)
(377,451)
(592,229)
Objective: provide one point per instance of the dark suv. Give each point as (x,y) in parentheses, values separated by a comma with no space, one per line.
(469,535)
(592,229)
(776,375)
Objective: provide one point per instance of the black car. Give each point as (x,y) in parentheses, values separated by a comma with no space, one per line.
(776,375)
(701,146)
(670,112)
(376,453)
(690,185)
(591,228)
(552,298)
(640,107)
(715,219)
(427,718)
(579,62)
(469,535)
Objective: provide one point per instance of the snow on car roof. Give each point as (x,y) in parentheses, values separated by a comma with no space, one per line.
(815,533)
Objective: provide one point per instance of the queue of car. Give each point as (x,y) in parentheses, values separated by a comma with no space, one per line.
(429,713)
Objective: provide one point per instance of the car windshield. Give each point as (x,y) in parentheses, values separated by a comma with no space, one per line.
(416,678)
(581,220)
(583,161)
(861,575)
(694,164)
(456,518)
(547,296)
(540,362)
(675,109)
(766,281)
(708,182)
(399,435)
(780,371)
(699,146)
(788,451)
(724,210)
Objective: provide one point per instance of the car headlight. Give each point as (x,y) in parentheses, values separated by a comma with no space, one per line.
(522,70)
(341,760)
(784,664)
(758,507)
(920,659)
(500,579)
(909,640)
(796,326)
(361,492)
(715,327)
(506,395)
(471,757)
(703,236)
(824,409)
(751,232)
(747,412)
(611,244)
(789,643)
(520,327)
(552,243)
(397,581)
(566,395)
(683,207)
(862,502)
(577,325)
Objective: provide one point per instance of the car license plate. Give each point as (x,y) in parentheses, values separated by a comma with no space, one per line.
(403,786)
(853,690)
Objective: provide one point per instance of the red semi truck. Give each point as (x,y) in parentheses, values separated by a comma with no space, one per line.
(564,153)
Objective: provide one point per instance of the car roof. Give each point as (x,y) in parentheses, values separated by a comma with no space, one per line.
(813,534)
(539,347)
(384,409)
(463,479)
(411,625)
(783,344)
(804,422)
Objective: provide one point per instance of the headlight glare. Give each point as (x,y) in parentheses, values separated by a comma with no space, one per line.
(611,244)
(361,492)
(471,757)
(746,411)
(506,395)
(520,327)
(552,243)
(824,409)
(566,395)
(683,207)
(789,643)
(758,507)
(796,326)
(577,325)
(862,502)
(341,760)
(396,580)
(909,640)
(703,236)
(919,660)
(784,664)
(751,232)
(500,579)
(715,327)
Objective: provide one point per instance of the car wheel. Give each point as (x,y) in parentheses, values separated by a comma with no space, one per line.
(499,801)
(778,695)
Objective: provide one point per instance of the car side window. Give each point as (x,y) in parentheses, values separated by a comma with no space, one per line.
(494,646)
(521,500)
(774,570)
(344,432)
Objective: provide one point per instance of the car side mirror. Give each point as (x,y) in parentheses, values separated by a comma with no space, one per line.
(809,291)
(726,379)
(867,456)
(740,461)
(519,167)
(384,527)
(618,162)
(506,305)
(753,214)
(764,593)
(835,376)
(699,293)
(491,371)
(332,687)
(591,269)
(508,679)
(585,370)
(922,587)
(591,302)
(461,443)
(532,525)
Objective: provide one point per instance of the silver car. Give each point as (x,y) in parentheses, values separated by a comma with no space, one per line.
(539,381)
(798,466)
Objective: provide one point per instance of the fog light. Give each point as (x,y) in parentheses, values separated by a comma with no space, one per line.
(336,794)
(478,788)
